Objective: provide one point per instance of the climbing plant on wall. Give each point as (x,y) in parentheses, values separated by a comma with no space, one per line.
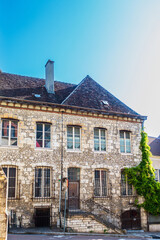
(142,177)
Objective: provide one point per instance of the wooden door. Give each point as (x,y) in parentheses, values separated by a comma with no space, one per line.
(73,195)
(131,219)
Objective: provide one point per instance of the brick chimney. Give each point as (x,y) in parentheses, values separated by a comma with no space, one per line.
(49,76)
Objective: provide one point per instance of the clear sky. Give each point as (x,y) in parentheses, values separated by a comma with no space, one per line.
(116,42)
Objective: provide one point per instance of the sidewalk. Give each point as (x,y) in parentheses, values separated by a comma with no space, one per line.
(57,231)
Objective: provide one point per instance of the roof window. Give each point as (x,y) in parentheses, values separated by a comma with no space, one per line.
(105,102)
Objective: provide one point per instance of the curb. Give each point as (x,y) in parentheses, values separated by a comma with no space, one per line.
(82,234)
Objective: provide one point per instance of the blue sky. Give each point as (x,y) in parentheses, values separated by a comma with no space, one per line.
(116,42)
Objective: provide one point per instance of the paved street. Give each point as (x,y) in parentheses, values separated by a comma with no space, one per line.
(66,237)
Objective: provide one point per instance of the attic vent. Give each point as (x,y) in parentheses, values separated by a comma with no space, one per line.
(105,102)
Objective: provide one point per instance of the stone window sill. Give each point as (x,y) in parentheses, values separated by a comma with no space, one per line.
(100,152)
(74,151)
(44,149)
(126,154)
(9,147)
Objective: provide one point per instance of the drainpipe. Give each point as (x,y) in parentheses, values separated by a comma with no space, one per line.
(143,125)
(61,176)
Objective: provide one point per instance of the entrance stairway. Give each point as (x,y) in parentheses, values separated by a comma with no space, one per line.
(92,217)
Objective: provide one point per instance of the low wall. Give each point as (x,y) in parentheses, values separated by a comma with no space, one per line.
(3,205)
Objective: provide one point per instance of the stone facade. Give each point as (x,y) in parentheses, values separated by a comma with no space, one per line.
(3,205)
(25,157)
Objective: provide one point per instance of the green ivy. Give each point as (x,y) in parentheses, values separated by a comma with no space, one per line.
(142,177)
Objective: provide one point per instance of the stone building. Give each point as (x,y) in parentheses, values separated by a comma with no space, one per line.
(56,134)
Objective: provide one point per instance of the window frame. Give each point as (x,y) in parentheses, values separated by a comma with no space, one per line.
(73,134)
(16,180)
(42,183)
(127,184)
(101,185)
(129,132)
(100,140)
(9,130)
(43,135)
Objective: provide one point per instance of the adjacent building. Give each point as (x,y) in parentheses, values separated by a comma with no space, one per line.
(60,140)
(154,143)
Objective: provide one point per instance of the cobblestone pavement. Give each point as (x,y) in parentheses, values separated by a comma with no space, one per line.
(66,237)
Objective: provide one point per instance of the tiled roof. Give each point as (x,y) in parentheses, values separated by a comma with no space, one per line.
(154,144)
(88,94)
(23,87)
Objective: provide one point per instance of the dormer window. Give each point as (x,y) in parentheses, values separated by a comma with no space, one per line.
(105,102)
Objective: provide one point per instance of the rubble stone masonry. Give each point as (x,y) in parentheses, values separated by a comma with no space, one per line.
(3,207)
(26,157)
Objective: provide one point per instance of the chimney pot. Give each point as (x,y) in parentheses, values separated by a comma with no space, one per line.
(49,76)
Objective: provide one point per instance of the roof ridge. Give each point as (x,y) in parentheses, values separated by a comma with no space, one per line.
(37,78)
(22,75)
(74,90)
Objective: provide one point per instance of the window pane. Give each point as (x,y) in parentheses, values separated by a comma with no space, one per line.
(11,192)
(122,145)
(127,135)
(46,182)
(14,125)
(121,134)
(5,128)
(156,175)
(128,145)
(47,136)
(104,182)
(70,137)
(12,182)
(96,139)
(47,128)
(123,184)
(103,140)
(39,135)
(73,174)
(97,183)
(5,132)
(47,144)
(13,142)
(77,138)
(39,143)
(5,171)
(38,182)
(102,134)
(39,127)
(129,189)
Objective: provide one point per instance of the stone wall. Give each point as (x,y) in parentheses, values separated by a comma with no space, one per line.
(3,205)
(25,157)
(84,224)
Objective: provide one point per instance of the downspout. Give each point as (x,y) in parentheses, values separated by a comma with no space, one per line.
(61,176)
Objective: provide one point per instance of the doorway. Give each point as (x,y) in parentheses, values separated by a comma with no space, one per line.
(42,217)
(74,188)
(131,219)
